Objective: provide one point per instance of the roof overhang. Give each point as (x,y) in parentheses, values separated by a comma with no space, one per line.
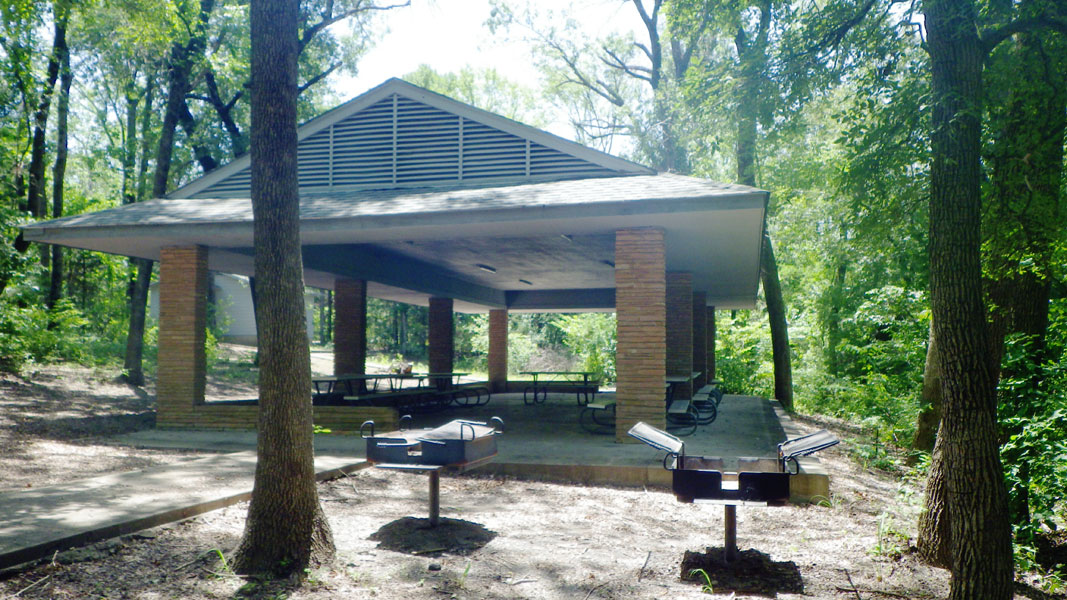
(533,247)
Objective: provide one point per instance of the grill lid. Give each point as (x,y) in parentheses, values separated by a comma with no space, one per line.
(657,438)
(462,430)
(807,444)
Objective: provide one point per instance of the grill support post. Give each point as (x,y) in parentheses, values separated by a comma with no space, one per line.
(730,526)
(435,497)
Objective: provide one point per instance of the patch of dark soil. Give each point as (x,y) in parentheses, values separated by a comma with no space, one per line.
(1052,551)
(752,572)
(415,536)
(65,428)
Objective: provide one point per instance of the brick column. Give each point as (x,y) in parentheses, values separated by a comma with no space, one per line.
(640,309)
(498,350)
(711,343)
(182,360)
(349,327)
(700,338)
(441,342)
(680,330)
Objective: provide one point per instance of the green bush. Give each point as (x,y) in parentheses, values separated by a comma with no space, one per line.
(591,336)
(1033,421)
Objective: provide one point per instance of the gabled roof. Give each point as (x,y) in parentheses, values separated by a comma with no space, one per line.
(401,135)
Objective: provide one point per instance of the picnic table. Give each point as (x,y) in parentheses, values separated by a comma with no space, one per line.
(543,380)
(673,381)
(329,385)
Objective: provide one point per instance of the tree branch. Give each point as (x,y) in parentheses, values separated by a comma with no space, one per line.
(328,18)
(634,71)
(991,38)
(318,78)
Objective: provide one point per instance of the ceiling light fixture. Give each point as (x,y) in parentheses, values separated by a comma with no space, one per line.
(486,268)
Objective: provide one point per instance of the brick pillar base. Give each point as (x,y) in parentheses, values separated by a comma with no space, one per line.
(640,307)
(350,327)
(680,330)
(498,350)
(441,342)
(700,338)
(182,360)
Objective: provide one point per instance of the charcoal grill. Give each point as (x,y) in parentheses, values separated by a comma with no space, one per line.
(753,482)
(454,447)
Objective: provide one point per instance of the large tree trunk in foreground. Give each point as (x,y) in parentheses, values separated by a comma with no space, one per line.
(286,530)
(976,500)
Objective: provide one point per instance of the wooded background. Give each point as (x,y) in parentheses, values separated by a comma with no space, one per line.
(914,156)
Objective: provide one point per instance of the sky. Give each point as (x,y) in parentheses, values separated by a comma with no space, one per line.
(450,34)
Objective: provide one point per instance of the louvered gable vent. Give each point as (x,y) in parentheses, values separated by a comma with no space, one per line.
(398,141)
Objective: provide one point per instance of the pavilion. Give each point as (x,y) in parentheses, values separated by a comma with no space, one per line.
(411,196)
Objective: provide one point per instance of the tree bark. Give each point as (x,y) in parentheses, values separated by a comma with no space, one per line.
(772,295)
(930,413)
(934,539)
(976,500)
(286,531)
(35,195)
(59,170)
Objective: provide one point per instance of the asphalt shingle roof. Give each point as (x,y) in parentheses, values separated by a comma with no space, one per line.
(356,204)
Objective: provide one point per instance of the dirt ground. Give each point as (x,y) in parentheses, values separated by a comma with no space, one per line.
(499,538)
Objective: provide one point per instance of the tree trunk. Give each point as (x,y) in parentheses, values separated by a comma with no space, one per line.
(182,59)
(976,500)
(146,140)
(934,535)
(772,295)
(35,198)
(832,319)
(129,149)
(286,531)
(133,370)
(752,55)
(59,170)
(1024,218)
(930,413)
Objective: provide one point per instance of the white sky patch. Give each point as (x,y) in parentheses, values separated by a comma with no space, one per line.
(450,34)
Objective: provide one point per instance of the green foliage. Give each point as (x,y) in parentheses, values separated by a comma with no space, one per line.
(591,337)
(706,583)
(743,353)
(1033,421)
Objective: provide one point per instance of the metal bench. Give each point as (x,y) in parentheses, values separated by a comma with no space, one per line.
(598,418)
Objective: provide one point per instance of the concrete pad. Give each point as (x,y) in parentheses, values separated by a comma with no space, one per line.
(36,522)
(543,442)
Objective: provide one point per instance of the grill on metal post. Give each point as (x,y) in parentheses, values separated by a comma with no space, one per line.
(754,482)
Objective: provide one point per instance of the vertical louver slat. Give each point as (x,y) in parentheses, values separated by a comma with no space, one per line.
(399,141)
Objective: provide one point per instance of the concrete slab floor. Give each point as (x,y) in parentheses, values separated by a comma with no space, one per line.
(540,442)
